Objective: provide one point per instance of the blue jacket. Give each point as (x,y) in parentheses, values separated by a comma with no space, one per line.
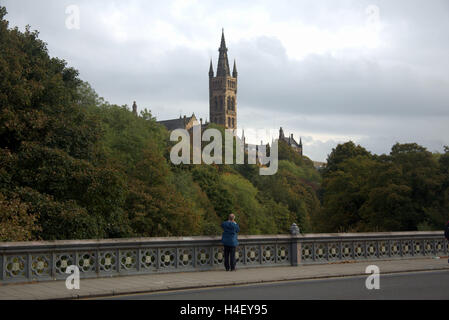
(446,231)
(229,237)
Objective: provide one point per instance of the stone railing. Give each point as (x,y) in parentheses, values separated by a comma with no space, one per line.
(41,261)
(326,248)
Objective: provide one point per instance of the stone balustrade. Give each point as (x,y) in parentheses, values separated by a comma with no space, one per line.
(48,260)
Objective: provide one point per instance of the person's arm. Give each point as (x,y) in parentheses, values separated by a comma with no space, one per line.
(237,228)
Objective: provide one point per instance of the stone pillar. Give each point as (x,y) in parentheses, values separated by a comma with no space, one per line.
(295,247)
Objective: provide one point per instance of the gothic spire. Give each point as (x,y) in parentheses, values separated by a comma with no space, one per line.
(223,64)
(211,69)
(281,133)
(223,42)
(234,71)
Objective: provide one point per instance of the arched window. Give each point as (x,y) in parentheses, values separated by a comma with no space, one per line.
(229,122)
(233,122)
(233,103)
(216,103)
(229,104)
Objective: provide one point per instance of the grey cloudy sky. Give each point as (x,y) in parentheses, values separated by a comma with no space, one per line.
(375,72)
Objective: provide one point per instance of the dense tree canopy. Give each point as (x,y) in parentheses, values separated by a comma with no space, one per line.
(405,190)
(74,166)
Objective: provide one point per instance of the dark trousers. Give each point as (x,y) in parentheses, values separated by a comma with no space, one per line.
(229,258)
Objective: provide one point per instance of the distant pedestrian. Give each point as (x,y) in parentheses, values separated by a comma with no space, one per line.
(446,233)
(229,240)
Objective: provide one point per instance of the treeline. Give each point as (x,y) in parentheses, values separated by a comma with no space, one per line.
(73,166)
(404,191)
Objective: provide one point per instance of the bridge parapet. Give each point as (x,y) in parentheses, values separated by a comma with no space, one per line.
(48,260)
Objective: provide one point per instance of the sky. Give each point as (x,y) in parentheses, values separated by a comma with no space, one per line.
(374,72)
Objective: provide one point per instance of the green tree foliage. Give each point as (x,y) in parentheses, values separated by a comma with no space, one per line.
(341,153)
(285,152)
(404,190)
(47,141)
(73,166)
(253,216)
(16,222)
(209,223)
(211,182)
(294,188)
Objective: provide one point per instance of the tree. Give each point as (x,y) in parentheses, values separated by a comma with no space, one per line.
(74,166)
(49,143)
(341,153)
(396,192)
(16,222)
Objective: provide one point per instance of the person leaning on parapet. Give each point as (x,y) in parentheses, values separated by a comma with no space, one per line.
(229,240)
(446,233)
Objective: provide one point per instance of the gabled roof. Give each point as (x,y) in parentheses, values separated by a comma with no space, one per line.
(179,123)
(291,142)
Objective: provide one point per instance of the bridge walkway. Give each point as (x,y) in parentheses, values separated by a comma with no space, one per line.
(102,287)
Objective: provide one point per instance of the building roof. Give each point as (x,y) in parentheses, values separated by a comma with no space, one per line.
(319,164)
(291,141)
(179,123)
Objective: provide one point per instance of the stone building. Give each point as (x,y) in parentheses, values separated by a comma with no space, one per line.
(319,164)
(223,90)
(186,123)
(291,141)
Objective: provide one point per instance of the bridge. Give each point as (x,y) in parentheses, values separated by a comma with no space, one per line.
(37,270)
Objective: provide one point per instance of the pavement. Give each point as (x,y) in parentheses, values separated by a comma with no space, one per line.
(423,285)
(106,287)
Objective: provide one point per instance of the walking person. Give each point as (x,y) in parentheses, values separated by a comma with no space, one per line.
(229,240)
